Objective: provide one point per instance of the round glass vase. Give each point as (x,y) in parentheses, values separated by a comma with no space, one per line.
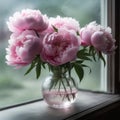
(59,89)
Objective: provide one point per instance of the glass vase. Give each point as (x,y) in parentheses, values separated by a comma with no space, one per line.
(59,89)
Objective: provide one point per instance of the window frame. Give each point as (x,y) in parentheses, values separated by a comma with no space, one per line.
(110,80)
(117,55)
(113,61)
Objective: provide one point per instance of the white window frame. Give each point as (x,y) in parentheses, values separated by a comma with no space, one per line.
(108,72)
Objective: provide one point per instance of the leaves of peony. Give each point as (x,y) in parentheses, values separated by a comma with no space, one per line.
(84,55)
(38,69)
(94,53)
(102,58)
(36,63)
(79,71)
(55,29)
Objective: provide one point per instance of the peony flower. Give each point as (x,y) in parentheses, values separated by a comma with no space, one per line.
(97,36)
(63,22)
(85,37)
(87,31)
(23,48)
(60,47)
(103,42)
(27,20)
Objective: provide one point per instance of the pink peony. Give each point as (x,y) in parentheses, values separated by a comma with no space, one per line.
(87,31)
(23,48)
(27,20)
(63,22)
(85,37)
(60,47)
(97,36)
(103,42)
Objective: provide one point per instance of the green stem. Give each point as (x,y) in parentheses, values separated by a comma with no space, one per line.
(65,90)
(59,87)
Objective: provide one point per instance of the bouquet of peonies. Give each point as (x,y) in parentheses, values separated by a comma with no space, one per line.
(55,42)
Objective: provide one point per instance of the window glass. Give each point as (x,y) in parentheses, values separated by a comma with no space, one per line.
(14,86)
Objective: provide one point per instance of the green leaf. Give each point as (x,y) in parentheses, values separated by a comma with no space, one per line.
(86,58)
(102,58)
(55,29)
(84,54)
(92,52)
(79,70)
(78,33)
(38,69)
(83,65)
(43,64)
(50,67)
(94,57)
(79,61)
(31,67)
(81,52)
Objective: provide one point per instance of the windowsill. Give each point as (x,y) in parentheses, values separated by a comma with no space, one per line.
(89,105)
